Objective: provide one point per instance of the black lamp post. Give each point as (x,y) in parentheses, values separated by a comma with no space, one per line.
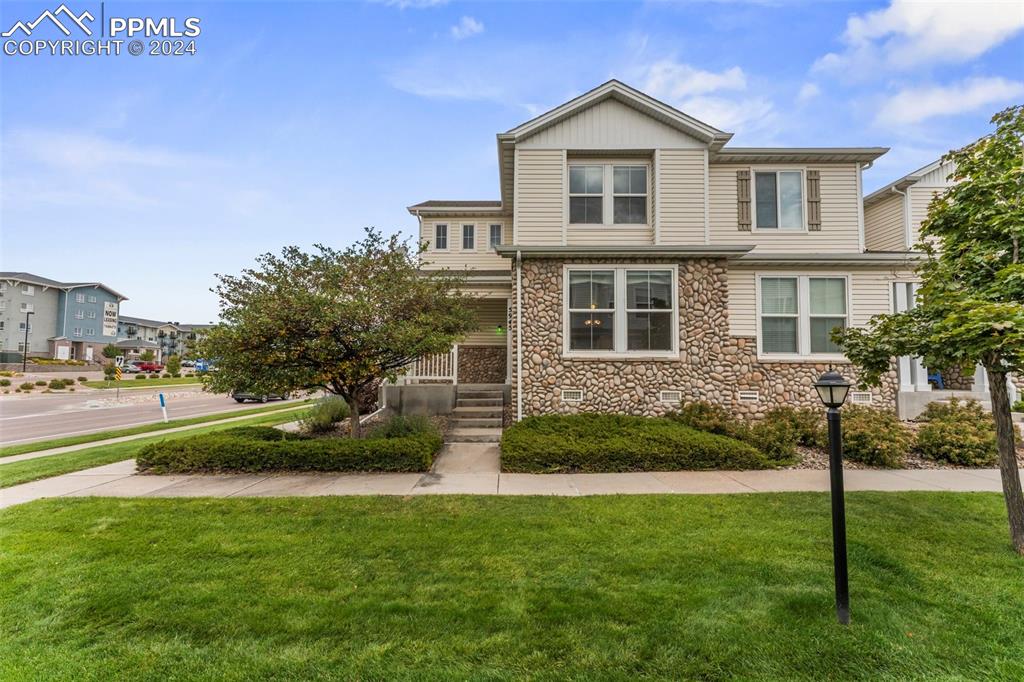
(832,388)
(24,354)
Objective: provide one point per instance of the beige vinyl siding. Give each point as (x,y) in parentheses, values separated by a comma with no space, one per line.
(869,289)
(938,177)
(680,200)
(609,125)
(482,257)
(920,197)
(840,202)
(490,313)
(883,224)
(540,196)
(610,235)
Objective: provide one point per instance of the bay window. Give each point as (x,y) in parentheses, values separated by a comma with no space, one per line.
(608,194)
(627,310)
(779,200)
(798,313)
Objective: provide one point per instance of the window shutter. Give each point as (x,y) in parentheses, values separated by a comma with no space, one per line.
(743,200)
(814,200)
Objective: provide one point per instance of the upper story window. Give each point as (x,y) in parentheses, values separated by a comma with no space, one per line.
(628,310)
(90,332)
(92,299)
(779,200)
(79,298)
(440,237)
(91,314)
(77,331)
(798,314)
(608,194)
(495,236)
(79,314)
(28,290)
(27,308)
(468,237)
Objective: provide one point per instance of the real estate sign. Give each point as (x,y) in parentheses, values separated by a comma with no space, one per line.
(109,318)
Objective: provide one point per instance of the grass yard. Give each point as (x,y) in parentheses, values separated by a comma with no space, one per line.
(36,446)
(672,587)
(128,381)
(54,465)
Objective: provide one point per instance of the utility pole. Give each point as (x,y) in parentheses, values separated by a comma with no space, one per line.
(24,354)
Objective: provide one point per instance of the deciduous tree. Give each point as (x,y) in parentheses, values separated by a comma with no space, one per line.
(970,306)
(333,320)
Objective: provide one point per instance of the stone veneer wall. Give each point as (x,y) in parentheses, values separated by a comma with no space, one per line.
(955,380)
(482,364)
(712,365)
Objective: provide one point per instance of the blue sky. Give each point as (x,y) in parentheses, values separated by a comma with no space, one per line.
(303,122)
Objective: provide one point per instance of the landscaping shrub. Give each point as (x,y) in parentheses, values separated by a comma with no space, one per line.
(399,426)
(166,375)
(808,425)
(154,375)
(27,386)
(1018,406)
(5,382)
(57,384)
(267,433)
(251,451)
(958,433)
(41,382)
(710,417)
(603,443)
(776,438)
(139,377)
(325,415)
(82,380)
(874,437)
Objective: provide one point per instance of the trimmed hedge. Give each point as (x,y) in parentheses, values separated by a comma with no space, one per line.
(256,449)
(595,443)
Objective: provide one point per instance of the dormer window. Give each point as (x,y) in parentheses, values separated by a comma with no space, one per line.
(608,194)
(778,200)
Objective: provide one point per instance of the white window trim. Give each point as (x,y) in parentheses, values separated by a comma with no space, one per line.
(28,290)
(79,298)
(79,314)
(753,199)
(447,237)
(462,237)
(490,234)
(803,318)
(619,313)
(608,192)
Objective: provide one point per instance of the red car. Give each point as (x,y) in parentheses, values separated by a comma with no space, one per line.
(148,366)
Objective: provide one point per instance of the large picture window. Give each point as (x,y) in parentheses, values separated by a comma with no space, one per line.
(621,310)
(778,200)
(798,314)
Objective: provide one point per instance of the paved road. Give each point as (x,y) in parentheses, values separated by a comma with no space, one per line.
(27,419)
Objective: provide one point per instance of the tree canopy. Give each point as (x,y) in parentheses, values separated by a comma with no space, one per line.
(970,305)
(340,321)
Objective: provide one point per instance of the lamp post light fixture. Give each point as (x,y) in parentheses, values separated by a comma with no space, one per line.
(24,353)
(832,388)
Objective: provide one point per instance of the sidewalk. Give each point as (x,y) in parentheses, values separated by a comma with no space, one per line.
(465,470)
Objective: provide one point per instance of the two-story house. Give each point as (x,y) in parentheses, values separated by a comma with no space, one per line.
(635,259)
(138,334)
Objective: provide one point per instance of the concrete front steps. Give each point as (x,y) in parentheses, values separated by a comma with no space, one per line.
(478,414)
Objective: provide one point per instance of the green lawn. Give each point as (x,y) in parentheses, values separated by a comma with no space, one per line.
(54,465)
(129,381)
(36,446)
(670,587)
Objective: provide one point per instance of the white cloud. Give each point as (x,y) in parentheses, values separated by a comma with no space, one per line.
(669,80)
(466,28)
(808,91)
(909,33)
(913,105)
(411,4)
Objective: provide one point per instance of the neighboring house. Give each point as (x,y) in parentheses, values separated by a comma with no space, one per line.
(635,260)
(892,222)
(70,320)
(163,338)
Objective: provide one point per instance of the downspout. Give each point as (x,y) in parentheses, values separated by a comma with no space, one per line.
(519,335)
(906,216)
(861,236)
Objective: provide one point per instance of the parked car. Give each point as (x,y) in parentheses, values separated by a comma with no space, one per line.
(129,368)
(188,363)
(242,396)
(148,366)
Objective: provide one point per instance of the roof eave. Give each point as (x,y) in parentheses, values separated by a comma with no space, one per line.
(510,251)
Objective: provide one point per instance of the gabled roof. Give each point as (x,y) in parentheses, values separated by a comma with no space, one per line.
(798,154)
(631,97)
(29,278)
(903,183)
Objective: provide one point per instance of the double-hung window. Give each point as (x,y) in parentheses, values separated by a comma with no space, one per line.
(79,298)
(586,195)
(90,332)
(441,237)
(91,314)
(779,200)
(608,194)
(620,310)
(77,331)
(79,314)
(28,290)
(468,237)
(495,236)
(92,299)
(798,314)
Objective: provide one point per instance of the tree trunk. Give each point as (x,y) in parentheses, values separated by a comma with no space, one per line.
(1008,470)
(353,417)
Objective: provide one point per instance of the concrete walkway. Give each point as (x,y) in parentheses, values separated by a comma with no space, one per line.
(472,469)
(137,436)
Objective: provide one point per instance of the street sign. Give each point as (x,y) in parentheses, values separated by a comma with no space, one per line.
(117,373)
(119,361)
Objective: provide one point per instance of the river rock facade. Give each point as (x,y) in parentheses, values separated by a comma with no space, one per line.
(712,365)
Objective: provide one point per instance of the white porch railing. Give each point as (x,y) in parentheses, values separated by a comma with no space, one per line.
(436,367)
